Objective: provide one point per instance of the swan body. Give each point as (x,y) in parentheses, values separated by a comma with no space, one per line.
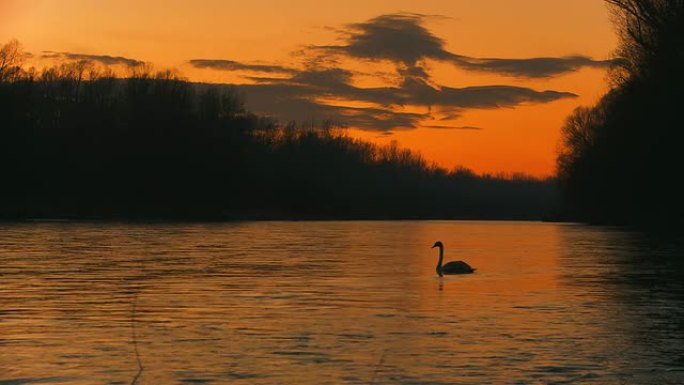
(454,267)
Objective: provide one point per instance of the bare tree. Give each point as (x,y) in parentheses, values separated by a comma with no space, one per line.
(12,56)
(651,30)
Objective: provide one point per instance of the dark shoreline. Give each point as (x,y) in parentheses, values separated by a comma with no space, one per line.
(265,218)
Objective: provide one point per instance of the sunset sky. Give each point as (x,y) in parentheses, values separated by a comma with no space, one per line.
(482,84)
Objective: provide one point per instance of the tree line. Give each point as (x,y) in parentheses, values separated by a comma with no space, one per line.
(621,158)
(78,140)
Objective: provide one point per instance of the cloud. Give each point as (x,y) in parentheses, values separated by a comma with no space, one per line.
(308,94)
(495,96)
(320,89)
(541,67)
(446,127)
(402,38)
(293,102)
(104,59)
(230,65)
(336,82)
(396,37)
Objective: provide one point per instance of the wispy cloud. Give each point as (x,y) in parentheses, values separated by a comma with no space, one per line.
(104,59)
(540,67)
(299,97)
(446,127)
(230,65)
(299,102)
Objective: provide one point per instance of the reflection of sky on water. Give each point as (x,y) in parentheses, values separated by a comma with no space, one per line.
(337,302)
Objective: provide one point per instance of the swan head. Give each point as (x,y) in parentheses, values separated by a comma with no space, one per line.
(437,244)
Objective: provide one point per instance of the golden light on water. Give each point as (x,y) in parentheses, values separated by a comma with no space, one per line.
(268,302)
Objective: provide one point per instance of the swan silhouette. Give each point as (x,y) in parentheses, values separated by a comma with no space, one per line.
(454,267)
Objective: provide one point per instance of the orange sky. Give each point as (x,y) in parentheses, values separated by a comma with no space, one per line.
(519,138)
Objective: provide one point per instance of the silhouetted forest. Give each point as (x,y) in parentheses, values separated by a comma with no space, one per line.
(79,142)
(622,157)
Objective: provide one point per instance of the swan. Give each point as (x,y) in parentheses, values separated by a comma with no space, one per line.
(454,267)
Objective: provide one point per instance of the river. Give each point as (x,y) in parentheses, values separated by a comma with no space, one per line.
(348,302)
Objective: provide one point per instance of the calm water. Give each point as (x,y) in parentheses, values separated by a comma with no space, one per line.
(338,303)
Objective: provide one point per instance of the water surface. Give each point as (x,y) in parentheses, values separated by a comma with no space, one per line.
(338,303)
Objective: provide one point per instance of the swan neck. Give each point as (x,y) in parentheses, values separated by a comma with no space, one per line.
(439,263)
